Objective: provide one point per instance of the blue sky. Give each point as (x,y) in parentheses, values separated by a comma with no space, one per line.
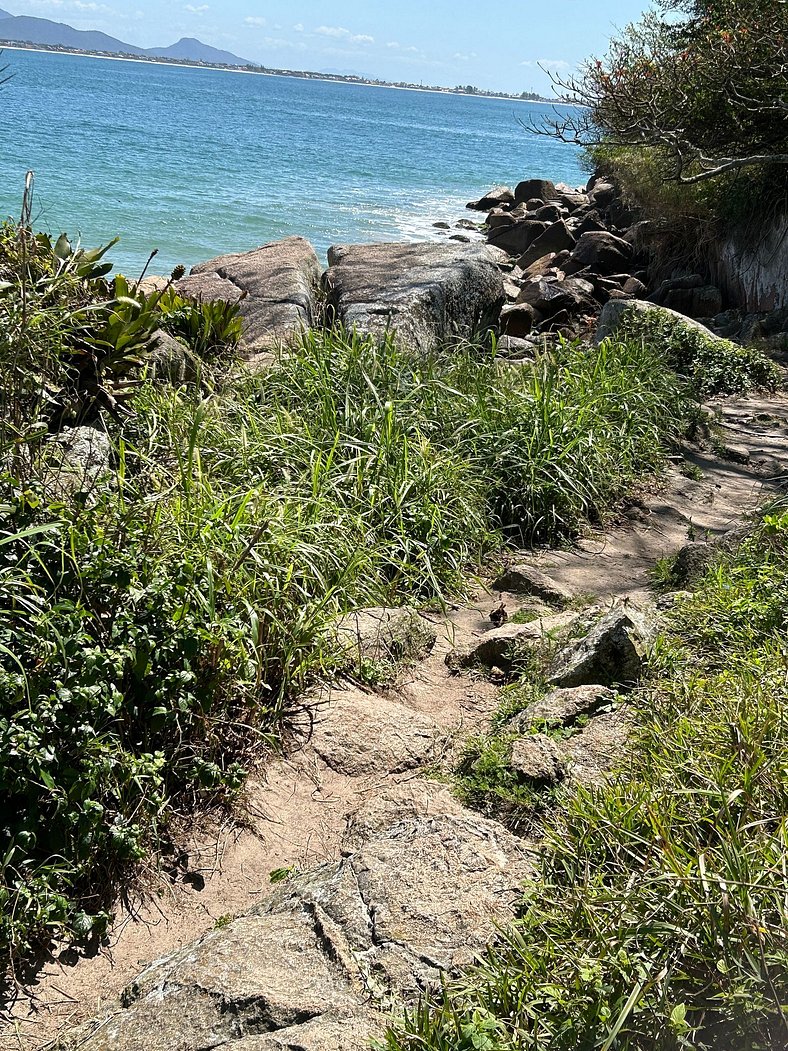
(444,42)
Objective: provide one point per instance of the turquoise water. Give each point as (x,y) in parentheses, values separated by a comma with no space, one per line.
(196,162)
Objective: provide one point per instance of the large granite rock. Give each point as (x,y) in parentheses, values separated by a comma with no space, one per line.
(425,293)
(308,968)
(616,311)
(275,286)
(612,654)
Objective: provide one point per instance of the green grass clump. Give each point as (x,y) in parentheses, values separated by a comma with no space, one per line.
(659,919)
(714,366)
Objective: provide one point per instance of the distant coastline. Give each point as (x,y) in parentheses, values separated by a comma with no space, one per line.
(336,78)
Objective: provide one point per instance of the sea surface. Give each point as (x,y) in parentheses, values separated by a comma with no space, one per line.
(197,162)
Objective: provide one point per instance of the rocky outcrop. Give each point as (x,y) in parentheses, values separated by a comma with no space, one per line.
(616,311)
(500,647)
(314,966)
(425,293)
(75,462)
(612,654)
(275,287)
(523,579)
(384,634)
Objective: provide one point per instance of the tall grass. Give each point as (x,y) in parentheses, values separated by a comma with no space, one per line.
(659,919)
(152,637)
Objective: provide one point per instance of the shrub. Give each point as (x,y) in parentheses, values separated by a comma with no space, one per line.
(713,365)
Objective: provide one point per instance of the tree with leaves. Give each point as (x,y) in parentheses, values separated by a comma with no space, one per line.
(703,83)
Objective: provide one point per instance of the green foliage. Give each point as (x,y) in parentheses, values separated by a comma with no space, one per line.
(484,780)
(659,920)
(705,92)
(72,343)
(714,366)
(210,327)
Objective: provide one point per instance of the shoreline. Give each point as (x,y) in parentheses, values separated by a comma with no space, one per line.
(283,75)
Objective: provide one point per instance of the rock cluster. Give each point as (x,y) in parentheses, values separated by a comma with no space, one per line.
(571,251)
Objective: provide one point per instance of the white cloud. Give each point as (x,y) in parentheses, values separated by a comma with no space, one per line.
(197,10)
(253,20)
(340,33)
(392,44)
(298,27)
(464,58)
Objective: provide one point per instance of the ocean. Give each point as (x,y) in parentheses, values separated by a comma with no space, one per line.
(198,162)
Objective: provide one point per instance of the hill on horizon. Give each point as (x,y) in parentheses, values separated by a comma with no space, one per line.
(26,29)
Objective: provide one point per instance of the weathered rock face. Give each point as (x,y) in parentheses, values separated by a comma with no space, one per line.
(537,759)
(77,460)
(563,707)
(612,654)
(498,648)
(556,238)
(529,189)
(602,252)
(304,969)
(275,286)
(424,292)
(527,580)
(517,237)
(548,296)
(499,196)
(360,733)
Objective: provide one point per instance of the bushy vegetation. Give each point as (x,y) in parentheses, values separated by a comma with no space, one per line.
(658,920)
(700,85)
(154,627)
(713,366)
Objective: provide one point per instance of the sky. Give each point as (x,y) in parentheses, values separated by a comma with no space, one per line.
(444,42)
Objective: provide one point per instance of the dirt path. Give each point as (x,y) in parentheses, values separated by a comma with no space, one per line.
(361,763)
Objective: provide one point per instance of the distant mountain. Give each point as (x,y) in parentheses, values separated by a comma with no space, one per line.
(195,51)
(27,30)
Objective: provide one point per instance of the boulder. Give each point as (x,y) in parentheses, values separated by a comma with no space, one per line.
(426,293)
(461,238)
(518,237)
(602,252)
(705,301)
(612,654)
(314,967)
(533,204)
(517,320)
(499,220)
(590,223)
(614,312)
(548,296)
(384,634)
(563,707)
(536,758)
(75,462)
(275,287)
(634,287)
(515,348)
(548,213)
(541,188)
(556,238)
(589,756)
(575,202)
(442,226)
(602,193)
(169,360)
(528,580)
(495,198)
(499,647)
(359,734)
